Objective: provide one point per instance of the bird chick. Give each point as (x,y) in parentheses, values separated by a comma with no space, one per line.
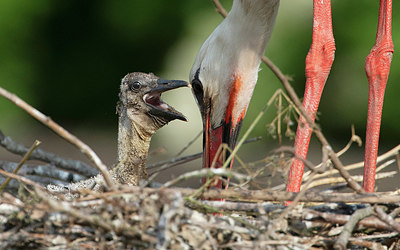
(141,113)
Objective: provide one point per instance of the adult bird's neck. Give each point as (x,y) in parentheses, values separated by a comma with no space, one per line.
(250,22)
(133,147)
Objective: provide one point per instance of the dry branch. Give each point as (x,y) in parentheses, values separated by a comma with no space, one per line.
(20,164)
(43,174)
(282,196)
(388,219)
(70,165)
(207,172)
(341,243)
(21,179)
(341,219)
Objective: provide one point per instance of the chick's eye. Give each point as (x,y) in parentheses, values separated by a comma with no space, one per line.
(134,86)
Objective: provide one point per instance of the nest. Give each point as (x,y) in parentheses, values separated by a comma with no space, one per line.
(170,218)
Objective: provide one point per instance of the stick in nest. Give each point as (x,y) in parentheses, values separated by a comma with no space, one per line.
(38,154)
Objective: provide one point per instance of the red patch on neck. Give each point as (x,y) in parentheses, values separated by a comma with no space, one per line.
(233,97)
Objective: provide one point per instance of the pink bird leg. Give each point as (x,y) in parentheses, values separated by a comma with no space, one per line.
(318,65)
(377,67)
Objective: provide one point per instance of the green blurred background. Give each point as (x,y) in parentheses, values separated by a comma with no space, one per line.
(66,58)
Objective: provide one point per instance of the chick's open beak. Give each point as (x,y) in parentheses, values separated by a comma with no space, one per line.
(158,107)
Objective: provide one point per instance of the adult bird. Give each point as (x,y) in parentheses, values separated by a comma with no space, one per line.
(225,73)
(318,64)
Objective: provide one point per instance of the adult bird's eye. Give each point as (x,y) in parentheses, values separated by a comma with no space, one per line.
(134,86)
(197,87)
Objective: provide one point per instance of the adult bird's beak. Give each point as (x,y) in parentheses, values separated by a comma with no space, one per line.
(159,108)
(226,133)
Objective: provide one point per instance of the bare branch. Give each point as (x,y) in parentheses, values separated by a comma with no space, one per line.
(307,163)
(189,143)
(163,165)
(341,242)
(21,179)
(70,165)
(220,9)
(243,206)
(281,196)
(337,180)
(341,219)
(23,160)
(208,173)
(387,218)
(43,174)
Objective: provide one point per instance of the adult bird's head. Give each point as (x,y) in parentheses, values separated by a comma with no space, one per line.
(225,72)
(140,101)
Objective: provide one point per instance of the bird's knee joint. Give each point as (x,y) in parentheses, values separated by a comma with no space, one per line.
(377,63)
(320,58)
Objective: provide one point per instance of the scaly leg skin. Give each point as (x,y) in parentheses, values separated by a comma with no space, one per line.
(318,65)
(377,67)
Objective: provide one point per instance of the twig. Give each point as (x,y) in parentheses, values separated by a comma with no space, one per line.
(279,196)
(378,236)
(341,219)
(35,144)
(381,158)
(189,144)
(181,160)
(358,178)
(173,162)
(21,179)
(164,165)
(67,208)
(319,180)
(366,244)
(41,155)
(43,174)
(220,9)
(243,206)
(302,192)
(279,120)
(395,212)
(207,173)
(307,163)
(211,209)
(353,138)
(398,161)
(341,242)
(387,218)
(84,148)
